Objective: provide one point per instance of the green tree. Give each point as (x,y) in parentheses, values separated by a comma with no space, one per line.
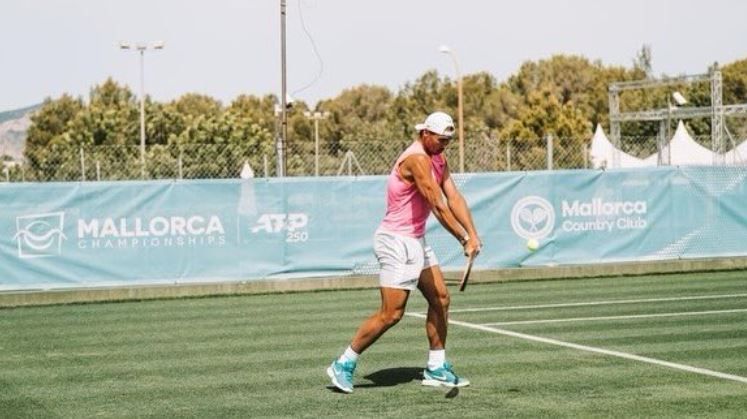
(564,95)
(544,114)
(360,120)
(48,134)
(217,142)
(111,117)
(418,99)
(51,122)
(261,110)
(643,61)
(735,91)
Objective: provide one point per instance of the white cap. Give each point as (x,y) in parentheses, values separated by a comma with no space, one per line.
(438,123)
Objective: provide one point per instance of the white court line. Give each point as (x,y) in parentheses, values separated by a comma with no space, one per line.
(618,354)
(632,316)
(599,303)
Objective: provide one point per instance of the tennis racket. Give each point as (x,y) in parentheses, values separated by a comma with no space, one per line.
(467,270)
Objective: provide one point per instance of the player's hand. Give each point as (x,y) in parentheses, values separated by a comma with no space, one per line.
(472,246)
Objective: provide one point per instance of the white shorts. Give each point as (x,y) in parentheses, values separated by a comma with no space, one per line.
(402,258)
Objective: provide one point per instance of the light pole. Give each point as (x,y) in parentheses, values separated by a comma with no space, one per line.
(316,116)
(141,48)
(446,50)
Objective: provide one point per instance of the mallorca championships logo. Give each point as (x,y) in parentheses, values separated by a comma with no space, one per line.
(40,235)
(151,232)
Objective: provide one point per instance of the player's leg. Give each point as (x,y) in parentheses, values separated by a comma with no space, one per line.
(393,302)
(401,259)
(433,287)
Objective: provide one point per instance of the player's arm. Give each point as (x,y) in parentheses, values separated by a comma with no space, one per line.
(417,168)
(460,209)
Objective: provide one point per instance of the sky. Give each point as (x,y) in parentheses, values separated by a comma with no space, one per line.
(225,48)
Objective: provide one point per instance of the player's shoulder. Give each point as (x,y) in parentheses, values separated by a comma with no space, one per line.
(415,159)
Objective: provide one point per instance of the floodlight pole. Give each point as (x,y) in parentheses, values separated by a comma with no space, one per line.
(141,48)
(446,50)
(316,116)
(142,109)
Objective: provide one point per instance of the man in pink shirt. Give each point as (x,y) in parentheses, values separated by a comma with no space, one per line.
(416,187)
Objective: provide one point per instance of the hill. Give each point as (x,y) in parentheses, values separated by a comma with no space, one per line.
(14,125)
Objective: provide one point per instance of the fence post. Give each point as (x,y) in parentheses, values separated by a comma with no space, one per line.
(82,165)
(585,150)
(661,143)
(508,155)
(142,163)
(181,165)
(267,167)
(549,151)
(98,171)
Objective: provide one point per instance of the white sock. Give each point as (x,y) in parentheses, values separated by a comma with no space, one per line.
(349,355)
(436,358)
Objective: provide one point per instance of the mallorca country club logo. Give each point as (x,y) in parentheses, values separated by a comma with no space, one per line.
(533,217)
(40,235)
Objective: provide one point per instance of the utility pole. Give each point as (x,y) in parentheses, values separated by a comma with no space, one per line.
(282,140)
(141,48)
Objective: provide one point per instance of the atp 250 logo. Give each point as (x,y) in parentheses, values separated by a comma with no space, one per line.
(40,235)
(294,225)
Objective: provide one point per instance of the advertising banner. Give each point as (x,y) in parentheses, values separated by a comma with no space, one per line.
(57,235)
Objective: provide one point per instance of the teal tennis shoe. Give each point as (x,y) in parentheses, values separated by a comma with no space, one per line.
(341,374)
(443,376)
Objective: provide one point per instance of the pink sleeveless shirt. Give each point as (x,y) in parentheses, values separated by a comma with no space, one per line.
(406,209)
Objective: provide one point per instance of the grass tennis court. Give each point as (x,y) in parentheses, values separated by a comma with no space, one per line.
(265,355)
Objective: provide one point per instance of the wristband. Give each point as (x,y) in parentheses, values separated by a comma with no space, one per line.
(464,239)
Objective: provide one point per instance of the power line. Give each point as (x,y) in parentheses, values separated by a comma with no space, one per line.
(313,48)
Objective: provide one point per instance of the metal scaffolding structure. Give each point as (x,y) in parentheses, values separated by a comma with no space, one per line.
(716,111)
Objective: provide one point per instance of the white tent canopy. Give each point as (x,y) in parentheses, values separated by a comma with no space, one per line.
(652,160)
(683,150)
(605,155)
(737,155)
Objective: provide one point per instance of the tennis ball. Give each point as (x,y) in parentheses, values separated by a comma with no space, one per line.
(532,244)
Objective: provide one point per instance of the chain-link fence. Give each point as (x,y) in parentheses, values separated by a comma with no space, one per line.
(216,161)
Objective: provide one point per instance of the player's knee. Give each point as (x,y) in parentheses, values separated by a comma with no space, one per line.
(443,299)
(391,317)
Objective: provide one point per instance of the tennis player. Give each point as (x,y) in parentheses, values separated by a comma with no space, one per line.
(416,187)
